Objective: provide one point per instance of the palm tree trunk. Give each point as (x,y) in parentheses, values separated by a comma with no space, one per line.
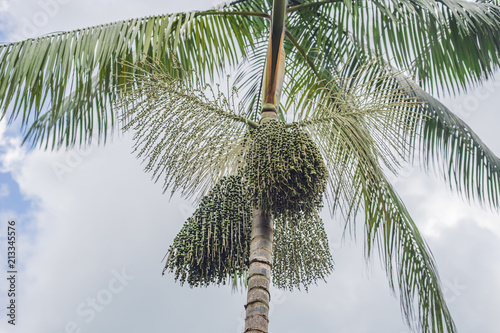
(261,244)
(259,273)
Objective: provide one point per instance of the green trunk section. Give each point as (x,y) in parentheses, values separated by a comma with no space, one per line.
(275,62)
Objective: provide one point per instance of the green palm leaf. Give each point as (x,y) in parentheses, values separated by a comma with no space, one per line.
(372,124)
(390,229)
(37,74)
(447,144)
(450,147)
(441,43)
(408,261)
(189,134)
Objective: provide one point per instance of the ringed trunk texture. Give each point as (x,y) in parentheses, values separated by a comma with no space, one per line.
(259,273)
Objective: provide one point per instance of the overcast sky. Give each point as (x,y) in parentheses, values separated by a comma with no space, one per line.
(93,229)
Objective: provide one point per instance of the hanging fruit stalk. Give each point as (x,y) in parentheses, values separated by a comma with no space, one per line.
(261,245)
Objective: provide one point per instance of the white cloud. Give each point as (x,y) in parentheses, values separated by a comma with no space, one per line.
(11,152)
(4,5)
(436,209)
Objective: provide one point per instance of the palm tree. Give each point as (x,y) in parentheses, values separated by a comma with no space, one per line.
(353,96)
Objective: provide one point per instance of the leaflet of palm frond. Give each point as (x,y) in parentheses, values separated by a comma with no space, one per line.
(214,243)
(301,255)
(366,108)
(286,173)
(189,134)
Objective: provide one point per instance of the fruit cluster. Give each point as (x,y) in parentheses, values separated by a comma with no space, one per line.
(283,174)
(285,170)
(214,243)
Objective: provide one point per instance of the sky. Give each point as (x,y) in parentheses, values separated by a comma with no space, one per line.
(93,228)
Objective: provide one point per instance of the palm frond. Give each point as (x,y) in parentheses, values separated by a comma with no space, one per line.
(320,52)
(452,149)
(371,123)
(449,146)
(443,43)
(388,226)
(448,44)
(372,98)
(188,139)
(408,262)
(69,79)
(249,78)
